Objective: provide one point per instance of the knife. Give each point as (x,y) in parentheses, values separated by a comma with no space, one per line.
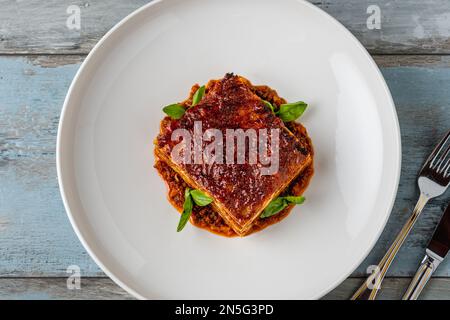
(435,253)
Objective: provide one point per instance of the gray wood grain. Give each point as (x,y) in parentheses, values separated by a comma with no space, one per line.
(34,26)
(57,289)
(104,288)
(393,289)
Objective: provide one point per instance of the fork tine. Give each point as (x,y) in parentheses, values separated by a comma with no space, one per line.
(441,160)
(446,167)
(433,157)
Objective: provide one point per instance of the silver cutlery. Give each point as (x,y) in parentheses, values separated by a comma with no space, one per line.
(434,179)
(435,253)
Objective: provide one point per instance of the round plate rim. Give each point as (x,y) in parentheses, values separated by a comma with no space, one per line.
(105,269)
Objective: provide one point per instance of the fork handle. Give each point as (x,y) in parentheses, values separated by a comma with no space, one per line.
(369,289)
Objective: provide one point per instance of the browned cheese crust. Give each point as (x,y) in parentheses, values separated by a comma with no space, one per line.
(211,217)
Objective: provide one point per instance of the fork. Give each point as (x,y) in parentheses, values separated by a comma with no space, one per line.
(434,179)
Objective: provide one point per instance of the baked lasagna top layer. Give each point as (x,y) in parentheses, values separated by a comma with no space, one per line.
(239,190)
(207,217)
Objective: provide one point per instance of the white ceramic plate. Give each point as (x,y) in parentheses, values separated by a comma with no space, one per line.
(117,202)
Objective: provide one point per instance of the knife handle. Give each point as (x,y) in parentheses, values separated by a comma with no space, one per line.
(429,264)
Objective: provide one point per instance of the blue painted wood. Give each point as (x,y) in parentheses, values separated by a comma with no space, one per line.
(35,236)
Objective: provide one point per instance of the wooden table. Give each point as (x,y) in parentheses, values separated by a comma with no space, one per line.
(39,56)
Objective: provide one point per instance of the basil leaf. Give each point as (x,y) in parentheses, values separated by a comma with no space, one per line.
(274,207)
(187,210)
(200,198)
(279,204)
(269,105)
(291,111)
(295,200)
(198,95)
(175,111)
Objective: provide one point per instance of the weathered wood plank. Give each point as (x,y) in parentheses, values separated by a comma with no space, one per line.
(57,289)
(393,289)
(429,61)
(104,288)
(35,235)
(33,26)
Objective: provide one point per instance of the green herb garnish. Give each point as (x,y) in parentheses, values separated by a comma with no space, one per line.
(274,207)
(279,204)
(200,198)
(175,111)
(191,196)
(291,111)
(198,95)
(187,210)
(295,200)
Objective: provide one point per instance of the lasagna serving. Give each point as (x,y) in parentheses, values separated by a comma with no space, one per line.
(233,157)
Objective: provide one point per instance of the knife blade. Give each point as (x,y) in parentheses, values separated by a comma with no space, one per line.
(440,243)
(436,251)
